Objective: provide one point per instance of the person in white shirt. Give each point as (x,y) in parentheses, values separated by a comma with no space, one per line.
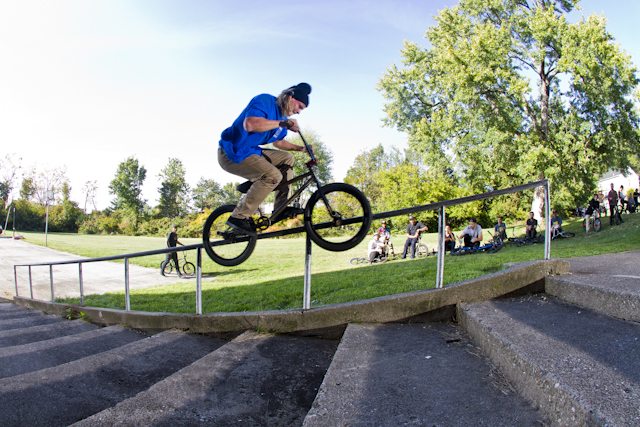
(472,235)
(376,246)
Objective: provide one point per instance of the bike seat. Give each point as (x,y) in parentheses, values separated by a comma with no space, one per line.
(244,187)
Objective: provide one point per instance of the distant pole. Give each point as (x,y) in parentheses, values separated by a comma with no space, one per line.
(46,225)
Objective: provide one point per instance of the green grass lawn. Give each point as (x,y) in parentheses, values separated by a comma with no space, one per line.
(273,277)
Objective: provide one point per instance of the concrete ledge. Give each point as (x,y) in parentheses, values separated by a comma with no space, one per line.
(378,310)
(611,296)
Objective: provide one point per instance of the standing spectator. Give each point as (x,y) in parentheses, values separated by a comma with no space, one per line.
(375,248)
(414,228)
(472,235)
(612,198)
(532,225)
(623,199)
(449,238)
(592,209)
(500,229)
(172,242)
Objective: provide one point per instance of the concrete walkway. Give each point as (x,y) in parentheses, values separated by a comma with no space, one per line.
(98,277)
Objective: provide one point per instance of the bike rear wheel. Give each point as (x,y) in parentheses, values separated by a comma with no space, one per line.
(166,267)
(236,248)
(337,205)
(188,269)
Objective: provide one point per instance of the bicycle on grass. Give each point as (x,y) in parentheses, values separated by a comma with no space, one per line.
(330,206)
(188,269)
(492,247)
(595,223)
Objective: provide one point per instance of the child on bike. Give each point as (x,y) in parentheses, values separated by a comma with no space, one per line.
(592,209)
(556,223)
(265,120)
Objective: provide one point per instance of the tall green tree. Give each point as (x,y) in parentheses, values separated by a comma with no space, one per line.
(126,186)
(509,91)
(207,194)
(323,155)
(174,190)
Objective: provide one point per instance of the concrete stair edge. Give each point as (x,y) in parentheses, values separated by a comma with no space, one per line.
(538,386)
(605,300)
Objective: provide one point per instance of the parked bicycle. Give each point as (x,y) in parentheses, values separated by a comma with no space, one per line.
(492,247)
(329,208)
(188,269)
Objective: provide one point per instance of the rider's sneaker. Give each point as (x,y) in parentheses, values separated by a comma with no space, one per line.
(288,212)
(245,226)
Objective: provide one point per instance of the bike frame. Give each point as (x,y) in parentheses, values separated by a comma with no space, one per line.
(312,178)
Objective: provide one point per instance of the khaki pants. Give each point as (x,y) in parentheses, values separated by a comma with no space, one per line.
(265,176)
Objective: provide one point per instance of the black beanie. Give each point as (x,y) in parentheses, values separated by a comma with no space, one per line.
(301,92)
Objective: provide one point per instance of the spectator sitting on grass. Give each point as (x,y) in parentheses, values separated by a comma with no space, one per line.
(532,225)
(449,238)
(472,235)
(375,248)
(501,229)
(556,223)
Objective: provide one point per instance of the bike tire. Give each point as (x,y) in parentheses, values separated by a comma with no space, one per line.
(166,267)
(356,261)
(225,257)
(567,234)
(458,252)
(188,269)
(597,224)
(363,210)
(495,249)
(422,250)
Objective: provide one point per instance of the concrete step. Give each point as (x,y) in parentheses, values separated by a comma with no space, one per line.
(253,380)
(19,314)
(25,322)
(613,295)
(67,393)
(580,367)
(30,357)
(43,332)
(414,374)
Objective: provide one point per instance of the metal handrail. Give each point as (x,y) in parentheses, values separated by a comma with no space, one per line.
(440,206)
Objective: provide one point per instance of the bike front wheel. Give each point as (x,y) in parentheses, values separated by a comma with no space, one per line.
(422,250)
(337,217)
(597,224)
(222,244)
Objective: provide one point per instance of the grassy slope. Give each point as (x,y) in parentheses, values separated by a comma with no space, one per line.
(272,277)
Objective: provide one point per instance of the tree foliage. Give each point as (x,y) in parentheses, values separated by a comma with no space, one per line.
(510,91)
(207,194)
(127,186)
(174,190)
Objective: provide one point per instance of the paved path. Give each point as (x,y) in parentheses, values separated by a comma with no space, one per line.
(99,277)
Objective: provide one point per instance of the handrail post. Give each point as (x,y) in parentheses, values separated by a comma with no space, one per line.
(30,283)
(306,299)
(51,282)
(15,278)
(199,282)
(440,260)
(547,220)
(127,299)
(81,281)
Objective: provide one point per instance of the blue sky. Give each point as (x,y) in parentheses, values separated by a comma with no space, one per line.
(85,84)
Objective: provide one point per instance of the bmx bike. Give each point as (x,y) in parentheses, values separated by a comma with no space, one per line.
(188,269)
(492,247)
(330,206)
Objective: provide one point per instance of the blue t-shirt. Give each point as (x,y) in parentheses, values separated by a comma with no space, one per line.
(238,144)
